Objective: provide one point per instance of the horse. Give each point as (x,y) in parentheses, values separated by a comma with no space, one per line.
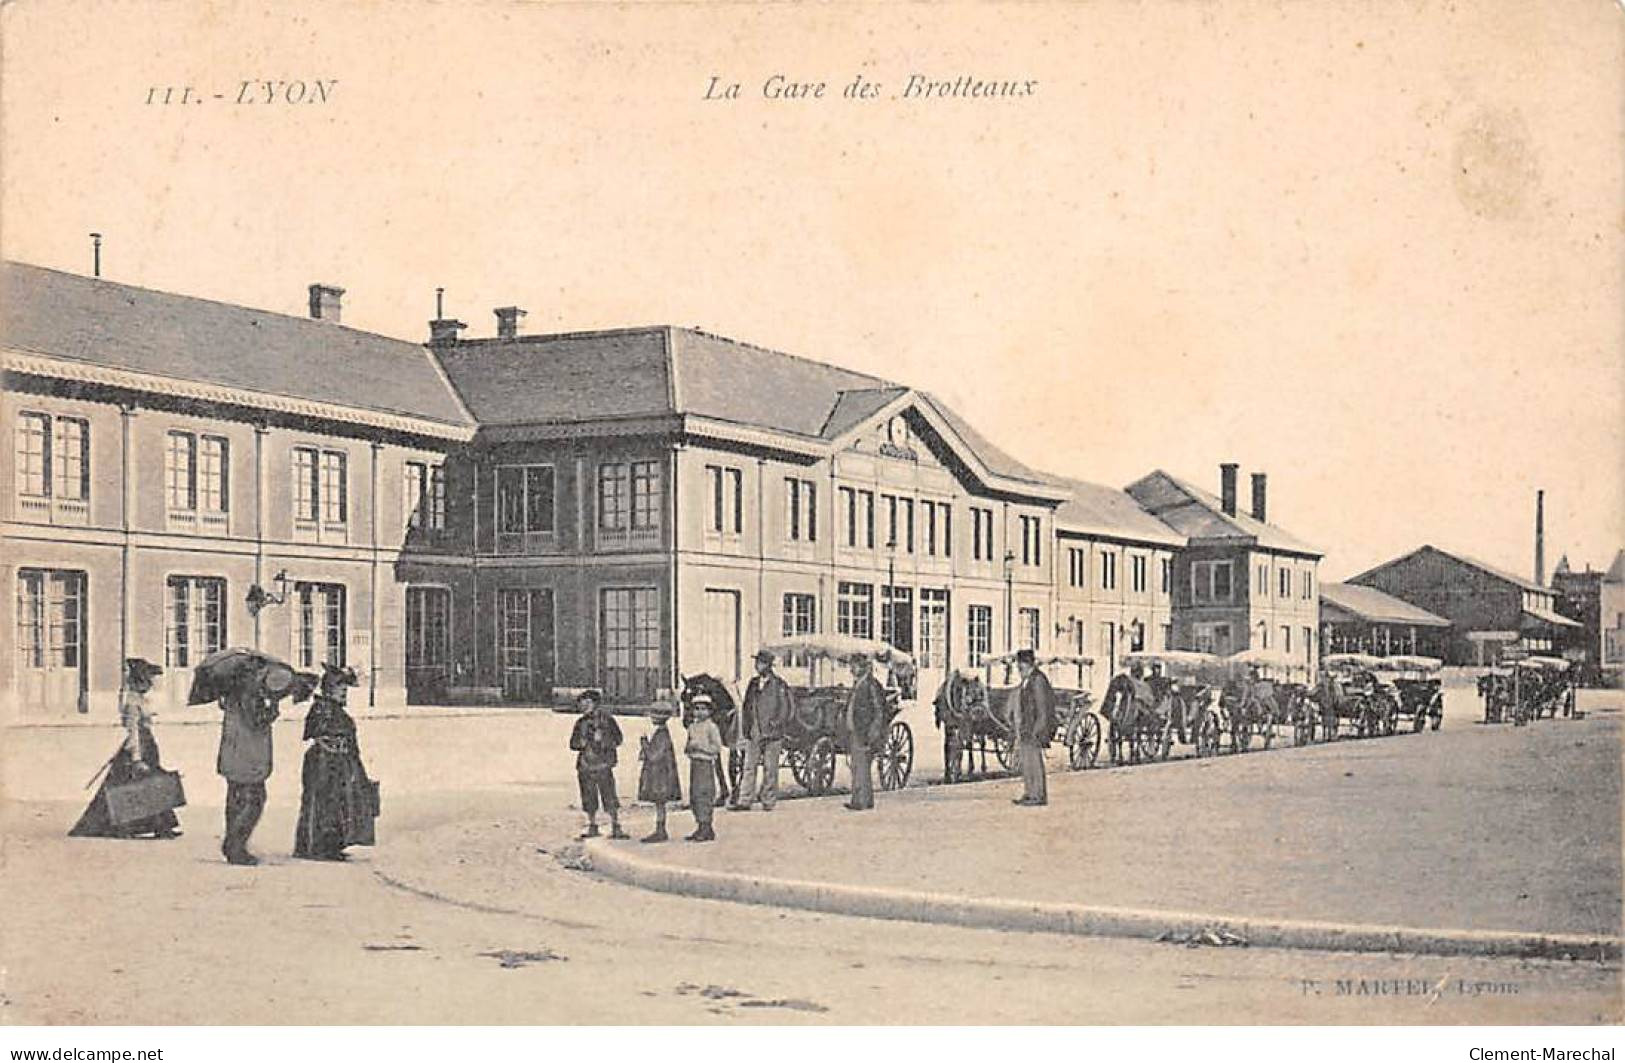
(960,701)
(1130,705)
(724,713)
(1251,703)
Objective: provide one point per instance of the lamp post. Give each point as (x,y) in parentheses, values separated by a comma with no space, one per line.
(891,591)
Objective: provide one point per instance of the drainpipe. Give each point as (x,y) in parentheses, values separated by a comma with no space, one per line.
(260,431)
(372,612)
(126,415)
(674,541)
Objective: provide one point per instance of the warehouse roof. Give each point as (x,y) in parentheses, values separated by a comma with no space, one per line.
(1350,601)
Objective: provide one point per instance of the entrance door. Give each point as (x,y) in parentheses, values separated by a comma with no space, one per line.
(897,618)
(525,643)
(428,645)
(51,641)
(721,635)
(629,643)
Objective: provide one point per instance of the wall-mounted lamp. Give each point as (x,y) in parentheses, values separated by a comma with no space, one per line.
(259,597)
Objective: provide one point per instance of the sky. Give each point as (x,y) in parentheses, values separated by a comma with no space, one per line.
(1373,250)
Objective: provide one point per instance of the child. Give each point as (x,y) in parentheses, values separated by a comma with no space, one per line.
(658,781)
(704,747)
(595,738)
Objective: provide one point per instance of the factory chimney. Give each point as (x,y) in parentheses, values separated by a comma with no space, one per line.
(1540,538)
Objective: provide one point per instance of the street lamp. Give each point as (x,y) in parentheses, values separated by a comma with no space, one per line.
(259,597)
(891,591)
(1009,601)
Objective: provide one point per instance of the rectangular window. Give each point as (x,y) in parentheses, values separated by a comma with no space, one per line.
(800,614)
(214,474)
(979,637)
(868,500)
(1136,576)
(1032,551)
(727,499)
(53,457)
(908,525)
(319,625)
(1263,581)
(801,510)
(1286,582)
(1167,637)
(1212,638)
(1167,581)
(1286,639)
(1308,585)
(854,609)
(1210,581)
(428,628)
(1076,565)
(629,496)
(928,515)
(195,621)
(981,534)
(897,617)
(180,471)
(33,455)
(426,496)
(933,627)
(849,505)
(947,522)
(307,489)
(1136,636)
(1308,644)
(335,488)
(50,619)
(1027,629)
(614,493)
(1108,570)
(713,476)
(892,529)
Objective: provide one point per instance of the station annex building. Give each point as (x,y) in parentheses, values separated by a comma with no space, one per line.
(517,517)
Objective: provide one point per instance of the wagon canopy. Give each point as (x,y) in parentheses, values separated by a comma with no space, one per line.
(1546,664)
(1058,659)
(838,647)
(1260,657)
(1362,661)
(1413,663)
(1188,664)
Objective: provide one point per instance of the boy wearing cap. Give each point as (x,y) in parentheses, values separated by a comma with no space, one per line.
(658,782)
(763,717)
(704,747)
(595,738)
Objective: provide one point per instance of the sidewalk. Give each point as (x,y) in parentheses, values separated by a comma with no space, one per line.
(1480,829)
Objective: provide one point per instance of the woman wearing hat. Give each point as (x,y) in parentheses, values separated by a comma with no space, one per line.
(138,756)
(658,782)
(335,800)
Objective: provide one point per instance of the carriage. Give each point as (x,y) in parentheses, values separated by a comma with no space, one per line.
(1527,688)
(1421,694)
(1349,693)
(816,732)
(1161,695)
(1551,686)
(1499,693)
(977,717)
(1259,698)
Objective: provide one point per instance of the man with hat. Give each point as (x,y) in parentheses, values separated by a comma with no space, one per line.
(763,718)
(865,712)
(1035,727)
(595,738)
(245,753)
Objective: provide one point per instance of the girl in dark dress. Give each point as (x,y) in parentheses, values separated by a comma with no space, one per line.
(336,804)
(138,756)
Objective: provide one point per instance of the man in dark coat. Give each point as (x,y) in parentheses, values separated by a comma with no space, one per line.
(245,755)
(763,717)
(865,712)
(1035,727)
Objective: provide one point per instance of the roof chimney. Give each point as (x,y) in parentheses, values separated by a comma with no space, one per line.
(443,330)
(1540,538)
(324,302)
(508,321)
(1260,510)
(1227,487)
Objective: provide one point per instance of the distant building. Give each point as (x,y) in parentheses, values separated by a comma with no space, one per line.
(1595,600)
(1356,619)
(1114,577)
(1488,608)
(1241,581)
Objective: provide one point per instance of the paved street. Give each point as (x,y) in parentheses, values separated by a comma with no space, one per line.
(466,913)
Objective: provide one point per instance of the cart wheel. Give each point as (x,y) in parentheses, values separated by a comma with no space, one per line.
(795,757)
(1207,736)
(896,757)
(736,769)
(1004,748)
(820,770)
(1420,721)
(1083,743)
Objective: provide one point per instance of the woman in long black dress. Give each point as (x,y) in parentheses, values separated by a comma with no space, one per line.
(336,804)
(138,756)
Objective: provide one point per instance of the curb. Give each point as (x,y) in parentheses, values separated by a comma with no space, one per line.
(1086,920)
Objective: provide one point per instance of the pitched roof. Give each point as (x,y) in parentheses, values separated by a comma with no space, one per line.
(94,322)
(663,371)
(1488,569)
(1196,514)
(1095,509)
(1616,571)
(1371,606)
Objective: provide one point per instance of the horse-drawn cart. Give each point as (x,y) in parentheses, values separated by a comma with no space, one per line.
(1161,695)
(816,732)
(1259,698)
(977,717)
(1351,697)
(1421,694)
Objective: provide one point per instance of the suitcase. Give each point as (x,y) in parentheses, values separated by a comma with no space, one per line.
(145,797)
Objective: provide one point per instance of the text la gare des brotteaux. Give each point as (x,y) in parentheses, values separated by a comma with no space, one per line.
(914,87)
